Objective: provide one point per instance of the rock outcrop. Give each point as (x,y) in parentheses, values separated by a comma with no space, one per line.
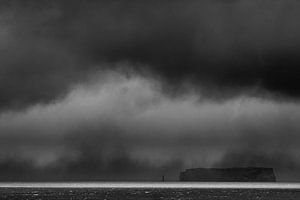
(249,174)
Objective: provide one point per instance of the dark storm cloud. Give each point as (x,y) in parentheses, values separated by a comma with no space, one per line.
(226,47)
(96,75)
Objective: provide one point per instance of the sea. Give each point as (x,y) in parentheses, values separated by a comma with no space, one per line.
(149,190)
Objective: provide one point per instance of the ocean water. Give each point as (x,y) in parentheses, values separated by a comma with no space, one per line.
(124,191)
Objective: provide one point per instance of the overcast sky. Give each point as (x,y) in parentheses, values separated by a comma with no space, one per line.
(133,90)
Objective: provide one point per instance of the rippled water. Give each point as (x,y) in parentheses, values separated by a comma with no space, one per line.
(124,191)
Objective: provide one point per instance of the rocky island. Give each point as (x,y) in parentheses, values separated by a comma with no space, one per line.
(248,174)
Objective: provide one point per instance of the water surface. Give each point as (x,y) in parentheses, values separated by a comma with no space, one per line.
(149,190)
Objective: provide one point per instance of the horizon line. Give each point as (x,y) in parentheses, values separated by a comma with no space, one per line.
(195,185)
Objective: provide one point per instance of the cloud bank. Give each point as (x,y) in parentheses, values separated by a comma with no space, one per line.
(125,128)
(154,87)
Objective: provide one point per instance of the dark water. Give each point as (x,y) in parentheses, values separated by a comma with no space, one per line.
(147,193)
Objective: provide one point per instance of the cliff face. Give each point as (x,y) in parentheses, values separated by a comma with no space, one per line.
(250,174)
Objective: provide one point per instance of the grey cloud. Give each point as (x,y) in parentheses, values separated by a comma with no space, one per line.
(225,47)
(97,79)
(101,126)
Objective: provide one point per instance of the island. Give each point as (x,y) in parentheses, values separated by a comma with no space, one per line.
(247,174)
